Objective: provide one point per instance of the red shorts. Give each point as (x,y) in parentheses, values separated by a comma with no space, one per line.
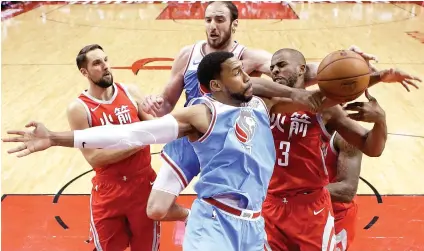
(345,224)
(118,213)
(302,222)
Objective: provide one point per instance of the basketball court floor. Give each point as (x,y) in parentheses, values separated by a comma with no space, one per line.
(45,202)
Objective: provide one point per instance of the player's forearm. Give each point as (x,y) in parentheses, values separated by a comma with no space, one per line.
(266,88)
(341,192)
(375,78)
(376,139)
(176,213)
(159,131)
(103,157)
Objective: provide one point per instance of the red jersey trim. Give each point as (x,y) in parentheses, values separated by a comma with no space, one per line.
(212,125)
(241,52)
(189,59)
(176,169)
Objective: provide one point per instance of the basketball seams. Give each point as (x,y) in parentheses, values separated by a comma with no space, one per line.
(335,79)
(325,92)
(336,61)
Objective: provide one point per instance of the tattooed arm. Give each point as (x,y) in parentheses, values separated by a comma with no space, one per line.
(348,170)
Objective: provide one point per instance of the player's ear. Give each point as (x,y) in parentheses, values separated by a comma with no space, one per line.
(215,85)
(234,26)
(301,70)
(84,72)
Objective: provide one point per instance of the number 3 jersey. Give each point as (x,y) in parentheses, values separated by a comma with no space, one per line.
(299,165)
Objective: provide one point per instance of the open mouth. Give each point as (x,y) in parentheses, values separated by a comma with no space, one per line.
(214,36)
(279,79)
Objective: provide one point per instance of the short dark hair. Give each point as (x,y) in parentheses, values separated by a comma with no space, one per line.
(82,55)
(295,54)
(210,67)
(231,7)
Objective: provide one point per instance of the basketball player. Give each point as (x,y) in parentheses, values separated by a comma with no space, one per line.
(343,163)
(297,210)
(229,131)
(123,177)
(221,20)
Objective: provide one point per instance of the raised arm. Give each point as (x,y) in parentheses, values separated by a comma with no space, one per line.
(370,142)
(172,92)
(191,121)
(348,170)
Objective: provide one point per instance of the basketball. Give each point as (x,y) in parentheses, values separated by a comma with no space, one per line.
(343,76)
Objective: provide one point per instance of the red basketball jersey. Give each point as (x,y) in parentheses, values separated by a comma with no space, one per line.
(120,109)
(299,164)
(331,155)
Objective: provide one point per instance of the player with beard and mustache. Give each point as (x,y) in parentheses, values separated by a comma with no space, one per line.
(221,20)
(123,178)
(298,211)
(229,131)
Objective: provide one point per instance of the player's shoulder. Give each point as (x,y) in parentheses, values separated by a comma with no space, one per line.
(76,108)
(129,87)
(186,51)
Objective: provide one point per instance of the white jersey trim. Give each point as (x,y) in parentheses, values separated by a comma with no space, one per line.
(108,102)
(90,122)
(125,88)
(322,125)
(332,142)
(211,106)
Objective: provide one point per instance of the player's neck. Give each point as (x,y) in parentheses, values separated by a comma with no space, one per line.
(100,93)
(300,84)
(220,97)
(226,47)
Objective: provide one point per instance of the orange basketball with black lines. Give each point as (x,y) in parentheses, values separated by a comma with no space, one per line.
(343,75)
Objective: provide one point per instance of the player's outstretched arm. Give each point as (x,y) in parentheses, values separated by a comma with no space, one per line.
(394,76)
(348,170)
(77,119)
(307,100)
(172,92)
(371,142)
(190,120)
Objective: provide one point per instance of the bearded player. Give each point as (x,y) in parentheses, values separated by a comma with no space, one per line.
(123,177)
(297,210)
(221,21)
